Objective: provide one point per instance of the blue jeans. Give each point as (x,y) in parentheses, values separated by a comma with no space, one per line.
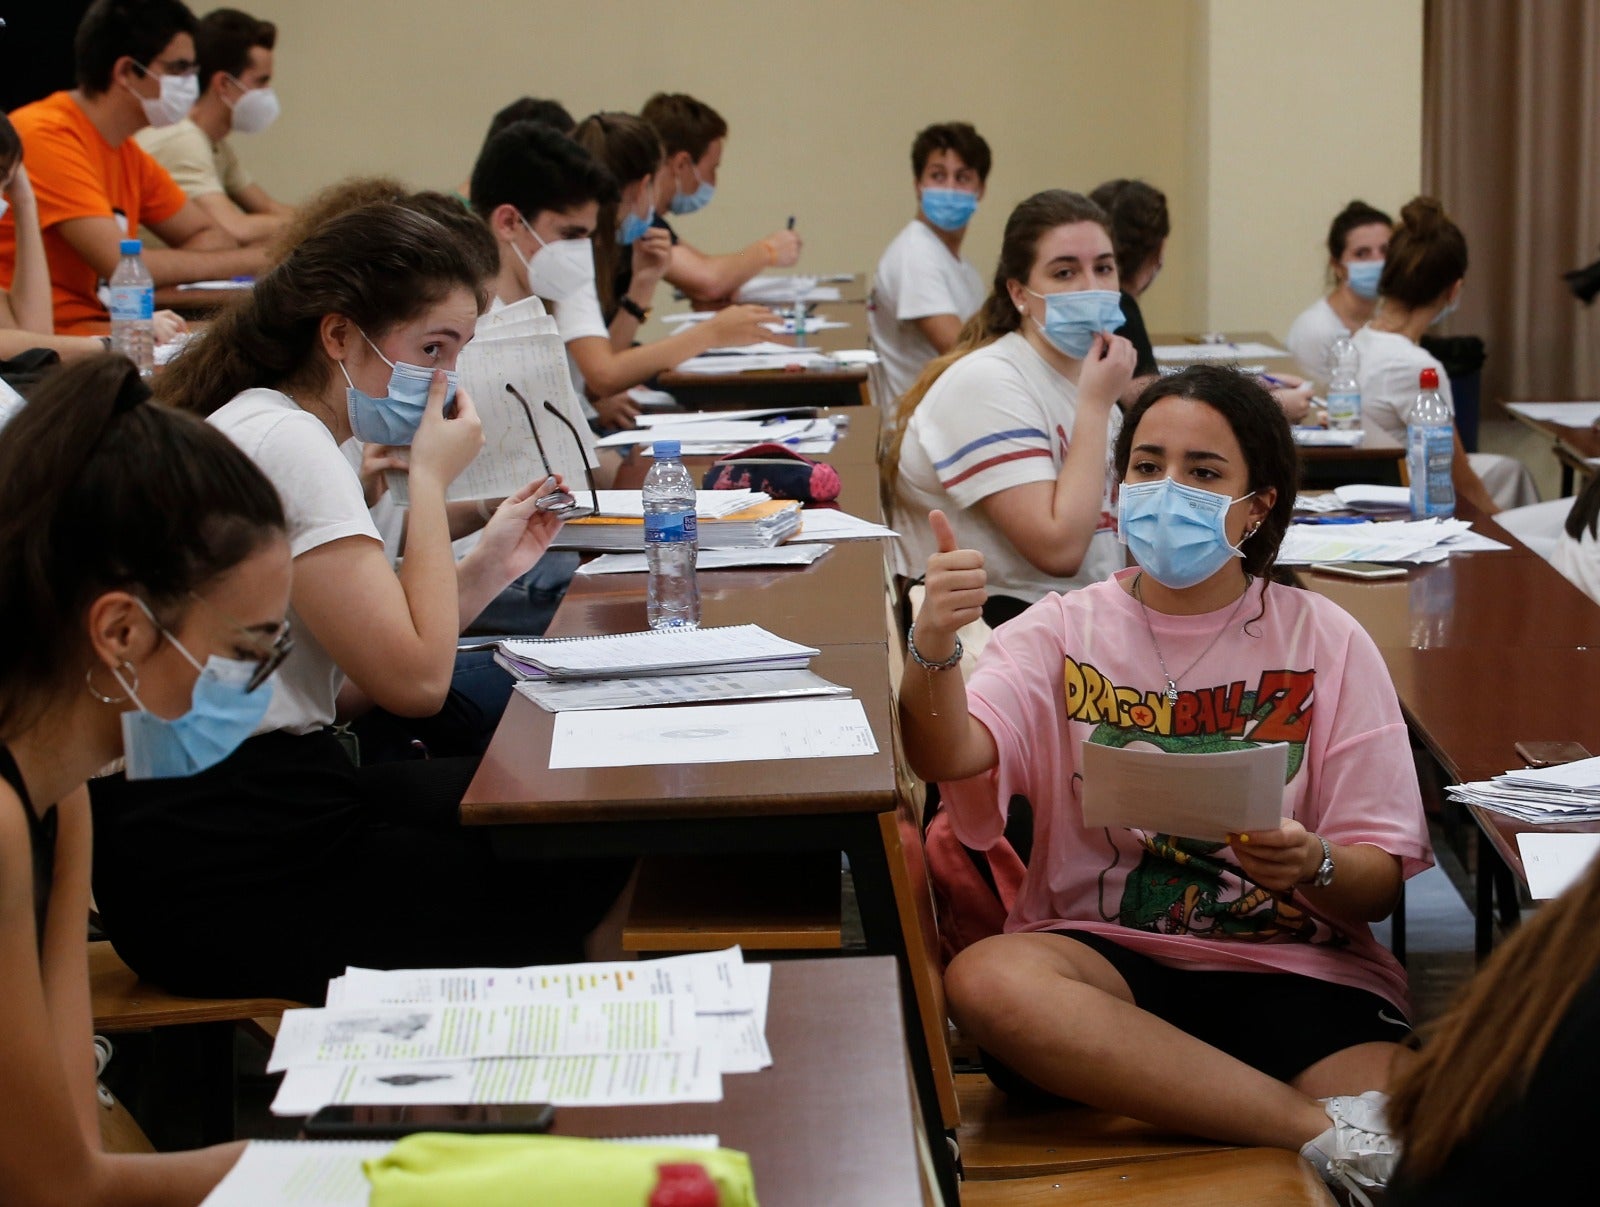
(526,607)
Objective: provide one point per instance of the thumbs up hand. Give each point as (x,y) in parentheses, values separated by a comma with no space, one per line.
(955,590)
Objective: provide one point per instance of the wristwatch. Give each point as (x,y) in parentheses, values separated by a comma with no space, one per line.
(1324,873)
(632,307)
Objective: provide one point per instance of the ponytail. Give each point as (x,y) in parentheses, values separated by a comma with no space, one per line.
(99,490)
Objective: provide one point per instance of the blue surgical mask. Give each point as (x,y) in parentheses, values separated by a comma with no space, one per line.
(1450,308)
(1175,532)
(688,203)
(1363,277)
(223,712)
(1072,319)
(949,209)
(633,227)
(394,418)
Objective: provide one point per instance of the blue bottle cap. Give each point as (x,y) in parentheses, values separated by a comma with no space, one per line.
(132,247)
(668,448)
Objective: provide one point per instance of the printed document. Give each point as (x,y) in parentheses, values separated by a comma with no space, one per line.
(1201,796)
(716,733)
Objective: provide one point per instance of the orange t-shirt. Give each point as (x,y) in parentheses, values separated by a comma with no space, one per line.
(77,174)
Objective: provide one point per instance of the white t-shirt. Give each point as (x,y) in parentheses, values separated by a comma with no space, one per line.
(1309,337)
(999,417)
(323,502)
(579,317)
(916,278)
(1579,562)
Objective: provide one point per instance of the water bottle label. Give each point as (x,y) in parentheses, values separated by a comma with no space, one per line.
(1431,459)
(1344,408)
(132,303)
(668,527)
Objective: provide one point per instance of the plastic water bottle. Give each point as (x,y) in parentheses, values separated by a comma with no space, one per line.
(133,305)
(1430,452)
(670,530)
(1344,385)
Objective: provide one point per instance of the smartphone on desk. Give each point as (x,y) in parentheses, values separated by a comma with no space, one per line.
(350,1122)
(1360,569)
(1551,754)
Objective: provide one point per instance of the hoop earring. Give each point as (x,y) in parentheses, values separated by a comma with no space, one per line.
(88,681)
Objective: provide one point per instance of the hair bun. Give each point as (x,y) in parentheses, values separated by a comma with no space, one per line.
(1423,215)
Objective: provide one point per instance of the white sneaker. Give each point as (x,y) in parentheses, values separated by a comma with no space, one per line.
(1357,1152)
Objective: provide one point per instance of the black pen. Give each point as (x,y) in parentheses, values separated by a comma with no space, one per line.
(791,221)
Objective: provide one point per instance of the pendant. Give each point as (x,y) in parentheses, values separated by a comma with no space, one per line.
(1172,692)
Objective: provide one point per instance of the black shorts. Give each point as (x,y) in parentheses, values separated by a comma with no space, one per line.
(1280,1023)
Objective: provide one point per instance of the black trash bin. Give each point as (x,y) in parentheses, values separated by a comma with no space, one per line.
(1462,358)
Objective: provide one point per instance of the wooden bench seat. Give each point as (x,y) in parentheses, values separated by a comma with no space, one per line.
(1206,1179)
(783,902)
(1001,1140)
(122,1002)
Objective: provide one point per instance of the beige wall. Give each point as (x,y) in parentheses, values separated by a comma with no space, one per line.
(823,97)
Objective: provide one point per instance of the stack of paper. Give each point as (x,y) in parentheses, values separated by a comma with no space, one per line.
(1374,499)
(656,1031)
(1194,354)
(793,358)
(581,695)
(713,435)
(711,559)
(654,652)
(726,519)
(1415,541)
(1323,437)
(768,290)
(1539,795)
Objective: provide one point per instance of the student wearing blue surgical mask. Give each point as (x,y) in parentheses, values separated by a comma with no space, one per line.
(1152,1004)
(144,588)
(924,289)
(287,861)
(1358,241)
(694,137)
(1010,431)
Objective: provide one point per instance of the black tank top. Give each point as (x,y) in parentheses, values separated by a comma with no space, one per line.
(41,839)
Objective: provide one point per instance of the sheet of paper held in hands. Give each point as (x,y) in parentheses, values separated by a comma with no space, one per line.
(1201,796)
(724,1032)
(1555,862)
(579,695)
(713,733)
(525,351)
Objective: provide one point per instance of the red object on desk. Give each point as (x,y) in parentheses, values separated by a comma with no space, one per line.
(686,1185)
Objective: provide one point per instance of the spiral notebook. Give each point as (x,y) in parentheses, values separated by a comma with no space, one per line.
(656,652)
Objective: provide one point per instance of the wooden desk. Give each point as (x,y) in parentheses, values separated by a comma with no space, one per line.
(1321,465)
(198,303)
(1485,649)
(1575,448)
(839,387)
(832,804)
(831,1121)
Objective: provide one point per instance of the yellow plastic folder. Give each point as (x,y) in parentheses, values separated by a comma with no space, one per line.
(433,1169)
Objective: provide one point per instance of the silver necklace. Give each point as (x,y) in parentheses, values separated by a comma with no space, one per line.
(1172,683)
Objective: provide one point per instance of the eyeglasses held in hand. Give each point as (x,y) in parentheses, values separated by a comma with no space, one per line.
(559,502)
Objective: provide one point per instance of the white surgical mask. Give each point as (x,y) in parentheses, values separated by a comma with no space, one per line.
(178,95)
(558,270)
(254,111)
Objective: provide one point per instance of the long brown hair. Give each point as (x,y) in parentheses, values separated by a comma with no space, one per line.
(378,265)
(1028,224)
(101,490)
(1482,1053)
(628,146)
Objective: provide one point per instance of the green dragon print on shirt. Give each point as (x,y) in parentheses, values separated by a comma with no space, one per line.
(1181,886)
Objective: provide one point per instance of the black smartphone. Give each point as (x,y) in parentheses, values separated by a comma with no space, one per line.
(350,1122)
(1551,754)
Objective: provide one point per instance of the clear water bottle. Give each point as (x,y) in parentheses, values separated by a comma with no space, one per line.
(670,530)
(1344,385)
(133,306)
(1431,451)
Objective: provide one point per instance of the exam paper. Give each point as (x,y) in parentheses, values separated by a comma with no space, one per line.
(742,1038)
(794,358)
(1322,437)
(344,1035)
(299,1173)
(711,559)
(577,695)
(662,421)
(1568,414)
(743,431)
(1201,796)
(616,1079)
(831,524)
(715,980)
(716,733)
(1555,862)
